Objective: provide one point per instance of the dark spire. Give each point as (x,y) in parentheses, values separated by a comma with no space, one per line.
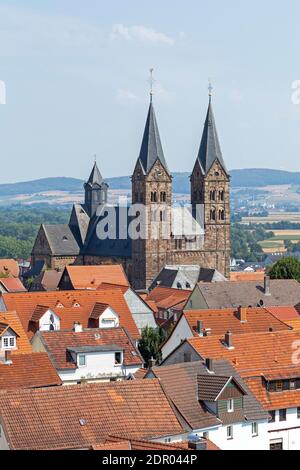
(151,148)
(95,176)
(210,149)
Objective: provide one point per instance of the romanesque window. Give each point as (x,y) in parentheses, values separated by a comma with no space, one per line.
(212,195)
(212,214)
(163,196)
(153,196)
(221,214)
(221,195)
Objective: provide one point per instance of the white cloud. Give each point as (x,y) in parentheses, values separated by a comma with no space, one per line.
(141,33)
(125,95)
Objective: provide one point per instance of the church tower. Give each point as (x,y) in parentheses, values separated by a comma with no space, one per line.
(210,189)
(95,191)
(152,189)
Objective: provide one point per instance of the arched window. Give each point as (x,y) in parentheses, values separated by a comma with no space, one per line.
(212,195)
(221,214)
(221,194)
(163,196)
(212,214)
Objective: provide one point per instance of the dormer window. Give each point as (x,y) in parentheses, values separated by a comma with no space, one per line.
(81,360)
(8,342)
(230,405)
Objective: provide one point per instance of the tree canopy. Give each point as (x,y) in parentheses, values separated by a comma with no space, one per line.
(286,268)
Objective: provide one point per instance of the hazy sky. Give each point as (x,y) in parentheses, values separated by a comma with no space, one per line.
(76,75)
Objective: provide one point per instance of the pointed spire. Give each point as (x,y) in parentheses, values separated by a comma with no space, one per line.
(95,176)
(210,149)
(151,148)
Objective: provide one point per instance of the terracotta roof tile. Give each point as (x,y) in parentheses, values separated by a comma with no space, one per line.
(58,342)
(70,306)
(220,321)
(77,416)
(28,371)
(247,276)
(90,277)
(12,284)
(284,313)
(12,320)
(166,297)
(9,267)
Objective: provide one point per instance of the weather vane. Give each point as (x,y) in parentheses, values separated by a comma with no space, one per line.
(151,81)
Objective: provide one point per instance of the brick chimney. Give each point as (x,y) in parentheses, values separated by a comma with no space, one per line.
(200,327)
(228,339)
(7,359)
(267,285)
(242,314)
(77,327)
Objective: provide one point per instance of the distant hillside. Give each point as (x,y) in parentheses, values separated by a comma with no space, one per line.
(239,178)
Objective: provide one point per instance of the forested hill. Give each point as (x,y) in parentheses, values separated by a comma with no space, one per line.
(239,178)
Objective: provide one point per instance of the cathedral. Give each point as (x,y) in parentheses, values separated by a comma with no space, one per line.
(143,258)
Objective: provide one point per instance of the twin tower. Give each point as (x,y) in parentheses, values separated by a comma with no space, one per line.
(152,186)
(209,182)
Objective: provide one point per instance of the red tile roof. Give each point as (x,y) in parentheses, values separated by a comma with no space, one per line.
(90,277)
(167,297)
(58,342)
(247,276)
(28,371)
(220,321)
(284,313)
(116,443)
(70,306)
(77,416)
(12,284)
(12,320)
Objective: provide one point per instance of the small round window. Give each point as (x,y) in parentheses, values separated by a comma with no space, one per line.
(217,173)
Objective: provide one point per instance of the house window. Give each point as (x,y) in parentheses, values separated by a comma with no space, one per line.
(118,358)
(229,432)
(254,430)
(81,360)
(273,416)
(292,384)
(9,342)
(279,386)
(282,415)
(276,444)
(230,405)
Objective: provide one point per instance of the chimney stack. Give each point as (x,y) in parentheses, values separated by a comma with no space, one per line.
(207,332)
(200,327)
(267,285)
(209,364)
(228,339)
(7,360)
(196,443)
(77,327)
(151,363)
(242,314)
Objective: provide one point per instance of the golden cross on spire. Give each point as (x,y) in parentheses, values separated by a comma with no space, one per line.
(151,81)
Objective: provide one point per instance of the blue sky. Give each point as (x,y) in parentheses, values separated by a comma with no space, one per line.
(76,76)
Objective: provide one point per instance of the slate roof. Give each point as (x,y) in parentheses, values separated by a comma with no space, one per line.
(77,416)
(58,342)
(211,386)
(151,148)
(61,239)
(230,294)
(210,149)
(180,384)
(95,176)
(79,222)
(28,371)
(185,275)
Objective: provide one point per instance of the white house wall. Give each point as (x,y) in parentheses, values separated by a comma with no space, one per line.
(286,430)
(181,332)
(142,314)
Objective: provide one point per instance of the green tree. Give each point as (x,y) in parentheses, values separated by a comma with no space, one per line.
(149,345)
(286,268)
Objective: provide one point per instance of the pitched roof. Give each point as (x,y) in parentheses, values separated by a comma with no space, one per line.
(220,321)
(12,320)
(46,280)
(9,267)
(166,297)
(210,149)
(272,400)
(210,387)
(70,306)
(246,276)
(252,354)
(12,284)
(61,239)
(229,294)
(185,275)
(57,343)
(117,443)
(180,383)
(28,371)
(90,277)
(151,148)
(77,416)
(284,313)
